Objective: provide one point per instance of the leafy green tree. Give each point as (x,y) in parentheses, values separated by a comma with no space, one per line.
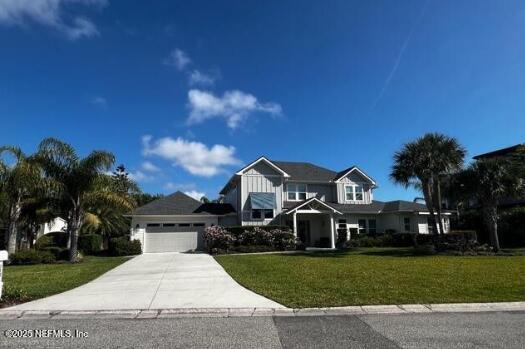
(423,163)
(82,184)
(123,184)
(17,182)
(492,180)
(144,198)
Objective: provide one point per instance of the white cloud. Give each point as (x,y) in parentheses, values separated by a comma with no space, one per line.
(49,13)
(179,186)
(178,59)
(234,107)
(99,101)
(139,176)
(194,157)
(196,77)
(149,167)
(197,195)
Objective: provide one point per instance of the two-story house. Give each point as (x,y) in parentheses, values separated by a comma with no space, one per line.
(318,204)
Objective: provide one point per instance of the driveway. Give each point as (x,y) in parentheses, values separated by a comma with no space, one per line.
(157,281)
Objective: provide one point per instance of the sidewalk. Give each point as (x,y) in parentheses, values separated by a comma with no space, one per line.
(253,312)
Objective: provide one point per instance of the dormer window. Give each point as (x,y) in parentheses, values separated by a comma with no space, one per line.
(354,192)
(296,192)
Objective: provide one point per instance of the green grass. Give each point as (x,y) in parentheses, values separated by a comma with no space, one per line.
(23,283)
(378,276)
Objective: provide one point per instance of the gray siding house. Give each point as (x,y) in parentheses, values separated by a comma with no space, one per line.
(318,204)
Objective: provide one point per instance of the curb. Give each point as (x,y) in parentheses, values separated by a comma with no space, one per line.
(255,312)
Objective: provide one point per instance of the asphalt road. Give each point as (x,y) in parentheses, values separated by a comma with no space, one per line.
(435,330)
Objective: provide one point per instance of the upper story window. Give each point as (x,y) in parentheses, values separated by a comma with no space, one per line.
(296,192)
(354,192)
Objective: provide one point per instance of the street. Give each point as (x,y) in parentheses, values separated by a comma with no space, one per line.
(432,330)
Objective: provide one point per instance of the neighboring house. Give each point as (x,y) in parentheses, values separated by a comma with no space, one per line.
(315,202)
(501,153)
(56,225)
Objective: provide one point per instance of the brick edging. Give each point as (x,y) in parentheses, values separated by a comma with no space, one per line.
(253,312)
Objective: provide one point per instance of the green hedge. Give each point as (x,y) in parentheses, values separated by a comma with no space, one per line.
(25,257)
(124,247)
(56,239)
(90,243)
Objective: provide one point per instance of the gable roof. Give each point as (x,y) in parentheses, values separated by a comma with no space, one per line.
(179,203)
(305,171)
(271,163)
(309,201)
(346,172)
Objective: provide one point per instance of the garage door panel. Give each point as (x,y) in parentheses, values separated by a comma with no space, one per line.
(174,241)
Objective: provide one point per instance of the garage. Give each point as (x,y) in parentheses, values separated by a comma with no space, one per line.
(173,237)
(175,223)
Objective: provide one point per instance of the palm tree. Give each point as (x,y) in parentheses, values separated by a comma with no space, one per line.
(423,163)
(17,182)
(489,181)
(82,184)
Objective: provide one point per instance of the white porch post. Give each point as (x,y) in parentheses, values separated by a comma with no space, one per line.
(295,224)
(332,230)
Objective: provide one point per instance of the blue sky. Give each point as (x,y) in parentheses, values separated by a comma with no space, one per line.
(184,93)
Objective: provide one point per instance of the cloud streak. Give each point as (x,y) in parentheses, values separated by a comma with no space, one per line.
(399,57)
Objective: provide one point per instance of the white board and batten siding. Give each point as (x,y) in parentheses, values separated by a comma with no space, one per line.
(260,178)
(354,179)
(323,192)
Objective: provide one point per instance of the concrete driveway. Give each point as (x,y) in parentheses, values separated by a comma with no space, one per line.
(157,281)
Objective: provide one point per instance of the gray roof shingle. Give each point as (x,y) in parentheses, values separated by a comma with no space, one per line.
(305,171)
(374,207)
(179,203)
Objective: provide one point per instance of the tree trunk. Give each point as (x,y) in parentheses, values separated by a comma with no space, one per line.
(74,227)
(425,187)
(12,229)
(491,220)
(437,192)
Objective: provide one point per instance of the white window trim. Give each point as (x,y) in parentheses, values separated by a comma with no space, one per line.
(354,186)
(296,192)
(262,215)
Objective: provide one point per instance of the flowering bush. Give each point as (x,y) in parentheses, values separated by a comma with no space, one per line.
(283,239)
(217,239)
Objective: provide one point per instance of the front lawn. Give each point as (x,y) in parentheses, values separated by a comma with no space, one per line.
(378,276)
(23,283)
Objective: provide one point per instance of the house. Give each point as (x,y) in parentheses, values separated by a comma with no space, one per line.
(57,224)
(318,204)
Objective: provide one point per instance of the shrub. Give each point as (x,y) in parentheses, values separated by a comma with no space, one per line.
(25,257)
(403,239)
(237,231)
(122,246)
(283,240)
(56,239)
(467,235)
(90,243)
(55,251)
(217,238)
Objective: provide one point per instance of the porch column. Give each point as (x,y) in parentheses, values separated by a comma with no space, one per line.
(295,224)
(332,230)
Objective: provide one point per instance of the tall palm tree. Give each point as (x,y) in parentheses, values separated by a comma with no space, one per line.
(423,163)
(17,182)
(489,181)
(82,184)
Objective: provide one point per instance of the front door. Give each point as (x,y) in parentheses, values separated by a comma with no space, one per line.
(303,232)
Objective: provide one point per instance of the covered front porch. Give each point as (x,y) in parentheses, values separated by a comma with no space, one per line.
(313,223)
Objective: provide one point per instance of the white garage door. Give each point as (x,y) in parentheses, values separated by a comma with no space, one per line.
(173,237)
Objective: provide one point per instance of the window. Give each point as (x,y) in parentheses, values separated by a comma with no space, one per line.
(372,226)
(184,224)
(349,192)
(406,222)
(262,214)
(362,225)
(198,224)
(152,225)
(296,192)
(168,225)
(354,193)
